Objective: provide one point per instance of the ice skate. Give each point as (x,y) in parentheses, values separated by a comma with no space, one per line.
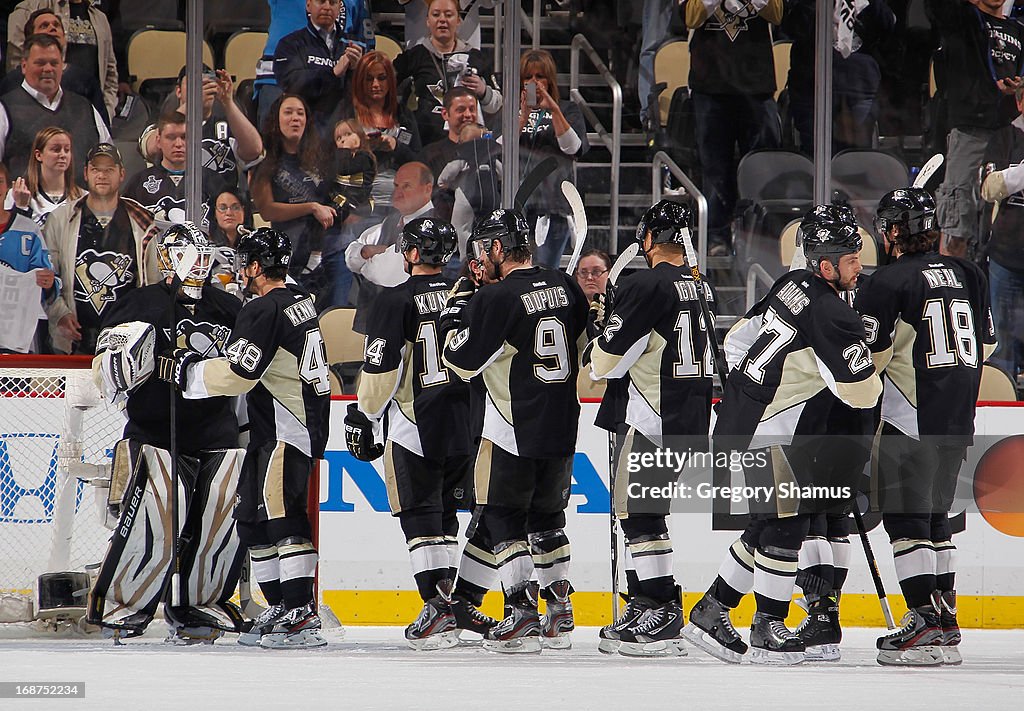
(820,631)
(191,625)
(254,629)
(435,626)
(557,622)
(609,634)
(711,630)
(946,604)
(519,632)
(298,628)
(469,618)
(656,633)
(133,625)
(771,642)
(917,643)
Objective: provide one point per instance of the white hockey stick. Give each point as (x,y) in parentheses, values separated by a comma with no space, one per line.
(928,170)
(579,220)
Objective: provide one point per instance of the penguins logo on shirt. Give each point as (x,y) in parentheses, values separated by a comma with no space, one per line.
(729,23)
(205,338)
(217,156)
(99,276)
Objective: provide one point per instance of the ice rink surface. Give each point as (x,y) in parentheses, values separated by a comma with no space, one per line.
(371,668)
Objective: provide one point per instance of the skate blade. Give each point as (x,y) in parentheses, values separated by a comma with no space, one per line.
(561,641)
(777,659)
(822,653)
(434,642)
(519,645)
(661,648)
(927,656)
(249,639)
(608,646)
(475,641)
(951,656)
(706,643)
(303,639)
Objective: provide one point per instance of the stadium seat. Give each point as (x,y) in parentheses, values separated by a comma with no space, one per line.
(671,67)
(862,177)
(158,14)
(996,386)
(159,54)
(228,17)
(133,162)
(388,46)
(241,53)
(780,53)
(343,344)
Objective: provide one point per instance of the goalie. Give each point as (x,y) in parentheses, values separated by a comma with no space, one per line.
(140,557)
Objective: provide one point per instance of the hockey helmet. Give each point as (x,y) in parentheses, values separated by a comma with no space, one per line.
(172,251)
(668,222)
(507,226)
(435,239)
(264,246)
(830,240)
(910,209)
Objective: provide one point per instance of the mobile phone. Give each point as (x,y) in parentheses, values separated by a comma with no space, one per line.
(209,76)
(531,94)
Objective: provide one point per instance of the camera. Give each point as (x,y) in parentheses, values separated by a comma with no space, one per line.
(531,94)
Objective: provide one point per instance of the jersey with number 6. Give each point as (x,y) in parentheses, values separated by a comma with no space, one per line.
(929,327)
(790,357)
(276,354)
(426,405)
(524,335)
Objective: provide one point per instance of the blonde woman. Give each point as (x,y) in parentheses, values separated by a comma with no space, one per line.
(50,174)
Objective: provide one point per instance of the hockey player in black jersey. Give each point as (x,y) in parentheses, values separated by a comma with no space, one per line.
(276,357)
(929,328)
(523,335)
(127,591)
(656,335)
(791,356)
(428,458)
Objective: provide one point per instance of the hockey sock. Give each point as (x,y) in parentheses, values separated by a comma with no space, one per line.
(452,545)
(840,560)
(266,570)
(945,558)
(478,570)
(550,551)
(515,565)
(652,560)
(774,578)
(298,566)
(429,558)
(816,574)
(915,568)
(735,576)
(632,581)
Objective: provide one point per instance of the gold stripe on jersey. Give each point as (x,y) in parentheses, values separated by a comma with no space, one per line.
(899,401)
(273,484)
(282,380)
(498,423)
(800,381)
(213,377)
(620,497)
(482,471)
(376,390)
(987,350)
(646,375)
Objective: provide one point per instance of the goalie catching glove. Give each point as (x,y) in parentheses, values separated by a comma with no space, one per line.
(172,366)
(458,299)
(126,353)
(359,436)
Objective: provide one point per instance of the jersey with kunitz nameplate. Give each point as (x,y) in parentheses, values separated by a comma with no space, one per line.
(524,335)
(277,342)
(930,314)
(427,406)
(791,356)
(657,336)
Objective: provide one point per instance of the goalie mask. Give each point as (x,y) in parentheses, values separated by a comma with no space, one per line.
(173,250)
(435,239)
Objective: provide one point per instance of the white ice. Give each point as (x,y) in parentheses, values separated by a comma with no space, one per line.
(371,668)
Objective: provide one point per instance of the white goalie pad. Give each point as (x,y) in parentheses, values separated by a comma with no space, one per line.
(128,359)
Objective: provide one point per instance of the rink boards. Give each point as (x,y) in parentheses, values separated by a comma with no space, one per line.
(365,573)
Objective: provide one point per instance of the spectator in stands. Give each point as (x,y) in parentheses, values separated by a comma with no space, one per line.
(229,213)
(75,79)
(592,272)
(90,45)
(475,176)
(983,58)
(161,188)
(441,62)
(469,26)
(22,250)
(230,141)
(732,82)
(314,62)
(50,176)
(1003,183)
(390,126)
(289,188)
(459,109)
(548,126)
(40,102)
(657,15)
(98,246)
(374,258)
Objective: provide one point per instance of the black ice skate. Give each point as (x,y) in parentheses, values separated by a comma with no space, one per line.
(656,633)
(917,643)
(609,634)
(519,632)
(468,618)
(254,629)
(557,622)
(298,628)
(771,642)
(434,628)
(946,604)
(711,630)
(820,631)
(191,625)
(133,625)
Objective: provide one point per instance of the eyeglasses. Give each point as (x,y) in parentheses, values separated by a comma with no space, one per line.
(229,208)
(591,273)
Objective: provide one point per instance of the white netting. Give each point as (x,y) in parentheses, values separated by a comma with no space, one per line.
(51,421)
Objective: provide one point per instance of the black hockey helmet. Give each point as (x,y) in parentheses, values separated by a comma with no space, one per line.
(266,246)
(911,209)
(830,240)
(507,226)
(666,222)
(435,239)
(831,212)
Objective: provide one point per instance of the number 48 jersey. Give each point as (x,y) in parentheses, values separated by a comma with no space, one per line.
(929,327)
(427,406)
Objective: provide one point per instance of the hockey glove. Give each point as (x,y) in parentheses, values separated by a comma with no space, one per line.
(458,298)
(596,316)
(172,366)
(359,436)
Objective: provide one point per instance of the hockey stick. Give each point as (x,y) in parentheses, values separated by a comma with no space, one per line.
(579,223)
(928,170)
(532,180)
(691,257)
(873,568)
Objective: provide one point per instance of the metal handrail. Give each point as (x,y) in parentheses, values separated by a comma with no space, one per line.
(757,273)
(613,142)
(664,160)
